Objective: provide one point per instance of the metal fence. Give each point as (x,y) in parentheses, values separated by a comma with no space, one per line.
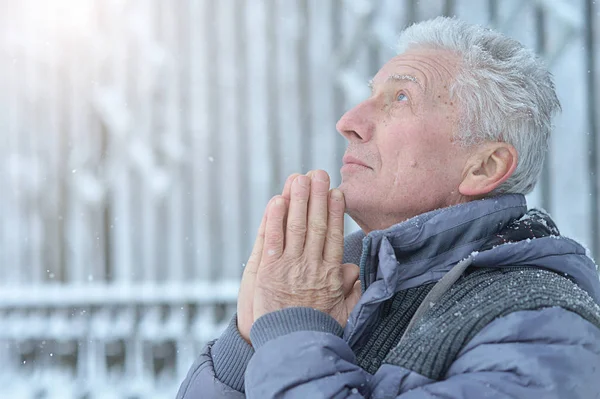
(140,141)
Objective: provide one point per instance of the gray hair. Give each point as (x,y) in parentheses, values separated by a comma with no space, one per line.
(505,91)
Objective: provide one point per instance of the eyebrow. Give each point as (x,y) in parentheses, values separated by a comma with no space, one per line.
(399,78)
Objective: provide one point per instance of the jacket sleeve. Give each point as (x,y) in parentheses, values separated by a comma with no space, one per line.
(219,370)
(549,353)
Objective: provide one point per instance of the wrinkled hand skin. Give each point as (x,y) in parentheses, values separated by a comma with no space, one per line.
(245,314)
(302,251)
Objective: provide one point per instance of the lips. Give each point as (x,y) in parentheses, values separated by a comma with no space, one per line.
(350,159)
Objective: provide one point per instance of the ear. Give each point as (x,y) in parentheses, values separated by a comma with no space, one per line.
(490,166)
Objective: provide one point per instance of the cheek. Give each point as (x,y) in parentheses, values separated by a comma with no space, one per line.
(408,149)
(421,162)
(437,149)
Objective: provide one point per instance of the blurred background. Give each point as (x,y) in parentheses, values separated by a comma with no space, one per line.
(141,139)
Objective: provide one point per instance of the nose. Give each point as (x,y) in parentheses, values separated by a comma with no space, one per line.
(357,124)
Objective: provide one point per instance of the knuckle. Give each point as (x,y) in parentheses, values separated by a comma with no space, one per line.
(274,240)
(300,195)
(297,228)
(320,192)
(336,210)
(336,236)
(318,226)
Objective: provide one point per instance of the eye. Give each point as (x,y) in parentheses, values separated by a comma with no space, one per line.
(402,97)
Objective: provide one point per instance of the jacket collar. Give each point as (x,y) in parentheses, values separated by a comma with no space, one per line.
(422,249)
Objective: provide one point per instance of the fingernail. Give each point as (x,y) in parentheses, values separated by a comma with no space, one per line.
(336,194)
(303,181)
(320,176)
(279,201)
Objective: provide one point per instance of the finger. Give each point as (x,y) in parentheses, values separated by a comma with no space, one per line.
(255,256)
(317,214)
(296,218)
(245,315)
(309,174)
(287,188)
(333,250)
(273,245)
(350,274)
(353,297)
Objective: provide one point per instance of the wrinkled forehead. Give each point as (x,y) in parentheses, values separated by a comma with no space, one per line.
(432,70)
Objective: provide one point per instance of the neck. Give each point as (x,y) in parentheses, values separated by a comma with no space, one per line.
(369,221)
(433,241)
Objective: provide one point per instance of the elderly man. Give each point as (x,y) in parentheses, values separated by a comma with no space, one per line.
(451,289)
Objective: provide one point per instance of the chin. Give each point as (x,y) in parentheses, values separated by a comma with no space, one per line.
(353,196)
(346,189)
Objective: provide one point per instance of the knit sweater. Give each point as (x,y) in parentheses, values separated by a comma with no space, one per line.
(472,303)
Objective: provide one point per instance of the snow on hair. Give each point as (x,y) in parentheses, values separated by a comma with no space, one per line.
(505,91)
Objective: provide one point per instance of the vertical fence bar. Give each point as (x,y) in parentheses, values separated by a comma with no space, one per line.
(272,85)
(30,171)
(149,91)
(203,266)
(257,95)
(12,225)
(214,162)
(228,108)
(60,161)
(449,6)
(373,46)
(413,11)
(288,86)
(245,230)
(541,49)
(122,239)
(493,13)
(338,93)
(592,108)
(172,143)
(184,29)
(304,89)
(320,75)
(95,172)
(5,61)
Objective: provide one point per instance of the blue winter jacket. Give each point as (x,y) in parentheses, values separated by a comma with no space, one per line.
(549,353)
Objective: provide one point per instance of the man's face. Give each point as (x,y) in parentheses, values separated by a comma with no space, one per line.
(404,134)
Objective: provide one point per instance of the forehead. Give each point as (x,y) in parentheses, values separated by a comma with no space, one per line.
(430,68)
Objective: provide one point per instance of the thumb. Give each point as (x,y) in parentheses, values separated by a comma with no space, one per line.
(350,274)
(353,296)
